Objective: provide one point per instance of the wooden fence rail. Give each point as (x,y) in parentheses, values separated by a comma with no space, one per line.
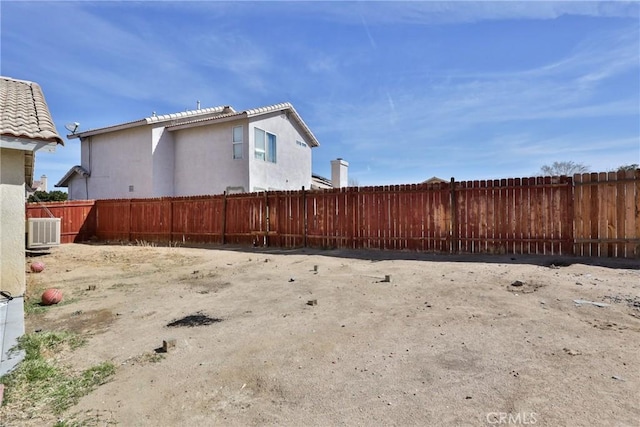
(587,215)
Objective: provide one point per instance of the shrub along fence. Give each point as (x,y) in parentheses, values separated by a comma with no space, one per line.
(594,214)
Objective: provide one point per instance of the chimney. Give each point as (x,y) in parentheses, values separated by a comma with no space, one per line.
(43,183)
(339,173)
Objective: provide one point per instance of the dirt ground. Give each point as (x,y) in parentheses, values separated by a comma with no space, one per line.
(449,340)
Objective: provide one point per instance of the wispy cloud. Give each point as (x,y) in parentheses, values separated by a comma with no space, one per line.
(369,36)
(404,87)
(452,12)
(118,57)
(457,104)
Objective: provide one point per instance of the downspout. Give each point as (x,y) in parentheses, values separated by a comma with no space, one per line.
(86,178)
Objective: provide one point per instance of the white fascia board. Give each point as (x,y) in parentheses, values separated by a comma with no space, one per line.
(107,129)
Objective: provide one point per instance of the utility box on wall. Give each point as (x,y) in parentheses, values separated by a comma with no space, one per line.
(43,232)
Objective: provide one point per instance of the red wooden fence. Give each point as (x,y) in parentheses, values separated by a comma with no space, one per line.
(78,220)
(589,215)
(607,214)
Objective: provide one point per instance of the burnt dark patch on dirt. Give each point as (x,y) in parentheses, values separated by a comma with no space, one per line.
(197,319)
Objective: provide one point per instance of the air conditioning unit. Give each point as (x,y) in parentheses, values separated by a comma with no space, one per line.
(43,232)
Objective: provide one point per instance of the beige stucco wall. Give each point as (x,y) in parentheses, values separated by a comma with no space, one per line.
(292,169)
(12,217)
(204,162)
(78,187)
(116,161)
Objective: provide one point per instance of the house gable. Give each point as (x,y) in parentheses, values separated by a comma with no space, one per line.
(292,168)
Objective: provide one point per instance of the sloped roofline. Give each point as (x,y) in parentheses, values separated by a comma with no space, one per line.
(77,169)
(25,113)
(164,118)
(194,118)
(283,107)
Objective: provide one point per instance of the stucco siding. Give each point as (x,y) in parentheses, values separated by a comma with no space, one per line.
(12,255)
(119,160)
(78,187)
(12,218)
(204,162)
(163,162)
(292,169)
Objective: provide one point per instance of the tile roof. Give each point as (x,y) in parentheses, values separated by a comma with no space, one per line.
(285,106)
(172,118)
(77,169)
(202,117)
(25,113)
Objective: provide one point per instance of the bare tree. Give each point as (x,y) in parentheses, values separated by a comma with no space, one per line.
(563,168)
(353,182)
(630,167)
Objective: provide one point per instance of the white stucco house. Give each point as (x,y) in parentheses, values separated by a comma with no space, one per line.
(197,152)
(25,127)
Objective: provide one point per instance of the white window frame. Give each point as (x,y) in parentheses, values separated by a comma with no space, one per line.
(263,149)
(236,143)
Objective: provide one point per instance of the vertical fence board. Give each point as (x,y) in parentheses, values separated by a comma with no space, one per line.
(631,213)
(634,189)
(619,213)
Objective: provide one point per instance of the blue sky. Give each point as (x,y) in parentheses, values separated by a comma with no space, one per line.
(402,90)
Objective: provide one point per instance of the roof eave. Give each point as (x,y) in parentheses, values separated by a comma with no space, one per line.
(207,121)
(77,169)
(153,120)
(28,144)
(286,106)
(107,129)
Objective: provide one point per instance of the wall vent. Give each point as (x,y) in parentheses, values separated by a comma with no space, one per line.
(43,232)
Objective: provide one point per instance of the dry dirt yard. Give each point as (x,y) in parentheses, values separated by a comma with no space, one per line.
(448,341)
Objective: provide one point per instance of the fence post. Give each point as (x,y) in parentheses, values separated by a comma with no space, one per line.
(304,217)
(170,220)
(453,233)
(224,216)
(266,218)
(130,220)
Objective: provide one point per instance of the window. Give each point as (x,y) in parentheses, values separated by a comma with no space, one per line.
(265,146)
(271,151)
(237,142)
(301,144)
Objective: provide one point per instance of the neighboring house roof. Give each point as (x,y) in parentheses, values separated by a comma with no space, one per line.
(203,117)
(284,107)
(25,115)
(38,185)
(174,117)
(77,169)
(433,180)
(320,182)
